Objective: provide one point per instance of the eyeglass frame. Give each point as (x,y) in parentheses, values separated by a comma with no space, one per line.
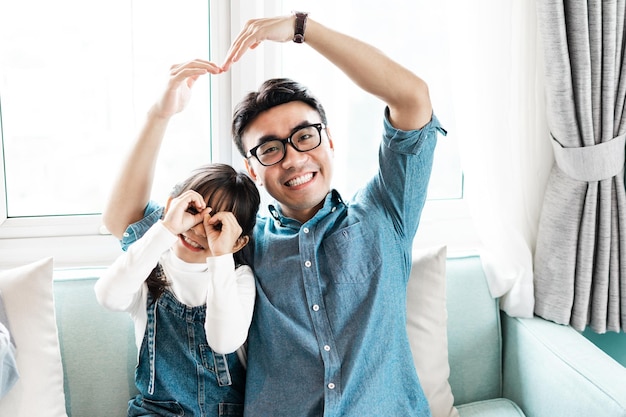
(252,152)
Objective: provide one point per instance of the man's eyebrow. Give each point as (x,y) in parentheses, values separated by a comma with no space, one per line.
(300,126)
(268,138)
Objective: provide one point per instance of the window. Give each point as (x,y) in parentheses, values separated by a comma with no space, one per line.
(76,79)
(74,90)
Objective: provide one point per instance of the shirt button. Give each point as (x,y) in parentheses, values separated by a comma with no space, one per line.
(316,307)
(332,210)
(305,230)
(126,234)
(326,348)
(277,223)
(331,386)
(307,264)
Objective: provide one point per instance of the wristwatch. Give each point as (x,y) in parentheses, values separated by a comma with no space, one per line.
(300,26)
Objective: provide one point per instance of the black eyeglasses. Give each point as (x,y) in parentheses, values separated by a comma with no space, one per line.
(303,139)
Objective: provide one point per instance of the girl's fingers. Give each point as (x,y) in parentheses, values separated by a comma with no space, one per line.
(228,222)
(196,68)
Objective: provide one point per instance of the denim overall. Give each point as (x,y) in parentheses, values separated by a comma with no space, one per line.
(178,373)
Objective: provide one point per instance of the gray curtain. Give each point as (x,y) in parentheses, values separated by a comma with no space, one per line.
(580,256)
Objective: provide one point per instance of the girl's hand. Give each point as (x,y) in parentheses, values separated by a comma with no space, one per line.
(178,92)
(185,211)
(222,232)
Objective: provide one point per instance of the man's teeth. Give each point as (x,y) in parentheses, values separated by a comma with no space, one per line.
(191,242)
(300,180)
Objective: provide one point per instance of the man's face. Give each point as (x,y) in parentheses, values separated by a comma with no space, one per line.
(301,180)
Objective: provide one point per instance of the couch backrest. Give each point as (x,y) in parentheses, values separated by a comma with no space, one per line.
(94,338)
(474,337)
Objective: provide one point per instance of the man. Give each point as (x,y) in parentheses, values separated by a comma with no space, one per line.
(328,335)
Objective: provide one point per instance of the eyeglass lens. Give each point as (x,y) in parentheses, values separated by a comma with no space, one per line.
(273,151)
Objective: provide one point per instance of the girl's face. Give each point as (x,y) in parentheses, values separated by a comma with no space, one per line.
(193,245)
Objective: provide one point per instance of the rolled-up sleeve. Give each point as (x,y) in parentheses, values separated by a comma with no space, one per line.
(135,231)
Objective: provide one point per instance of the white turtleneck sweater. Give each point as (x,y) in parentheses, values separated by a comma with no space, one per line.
(228,293)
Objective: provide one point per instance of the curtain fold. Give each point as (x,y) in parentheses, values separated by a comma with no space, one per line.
(580,254)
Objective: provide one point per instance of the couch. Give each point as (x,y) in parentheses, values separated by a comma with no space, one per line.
(504,366)
(498,365)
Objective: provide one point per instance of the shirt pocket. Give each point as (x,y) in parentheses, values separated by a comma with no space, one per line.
(351,255)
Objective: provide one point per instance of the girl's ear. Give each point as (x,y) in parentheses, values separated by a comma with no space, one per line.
(240,243)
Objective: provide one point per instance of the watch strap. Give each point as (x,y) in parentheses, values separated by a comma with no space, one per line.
(299,27)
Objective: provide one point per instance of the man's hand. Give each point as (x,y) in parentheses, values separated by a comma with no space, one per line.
(255,31)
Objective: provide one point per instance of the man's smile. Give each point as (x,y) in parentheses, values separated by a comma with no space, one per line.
(300,180)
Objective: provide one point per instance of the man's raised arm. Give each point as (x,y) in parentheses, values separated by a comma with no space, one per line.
(404,92)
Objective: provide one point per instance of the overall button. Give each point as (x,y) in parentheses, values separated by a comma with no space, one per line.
(316,307)
(331,386)
(326,348)
(307,264)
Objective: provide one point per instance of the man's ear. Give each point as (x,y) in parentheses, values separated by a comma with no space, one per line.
(330,138)
(240,243)
(252,173)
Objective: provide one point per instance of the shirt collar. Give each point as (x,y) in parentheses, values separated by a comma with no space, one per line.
(332,201)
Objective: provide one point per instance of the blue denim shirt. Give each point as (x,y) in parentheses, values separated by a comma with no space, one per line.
(328,335)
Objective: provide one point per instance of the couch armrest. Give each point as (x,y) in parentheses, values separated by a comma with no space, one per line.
(551,370)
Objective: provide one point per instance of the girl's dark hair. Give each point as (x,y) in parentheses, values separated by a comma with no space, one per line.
(225,190)
(272,93)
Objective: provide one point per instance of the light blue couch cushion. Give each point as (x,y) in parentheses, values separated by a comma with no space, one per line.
(581,379)
(474,338)
(499,407)
(94,339)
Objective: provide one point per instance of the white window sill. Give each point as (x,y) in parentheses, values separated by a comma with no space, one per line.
(85,244)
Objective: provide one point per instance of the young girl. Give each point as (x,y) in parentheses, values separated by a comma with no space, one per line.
(190,296)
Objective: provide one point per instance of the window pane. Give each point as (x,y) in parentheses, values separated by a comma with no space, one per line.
(411,32)
(76,79)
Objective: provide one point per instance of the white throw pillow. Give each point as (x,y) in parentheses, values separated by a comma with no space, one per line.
(29,304)
(427,328)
